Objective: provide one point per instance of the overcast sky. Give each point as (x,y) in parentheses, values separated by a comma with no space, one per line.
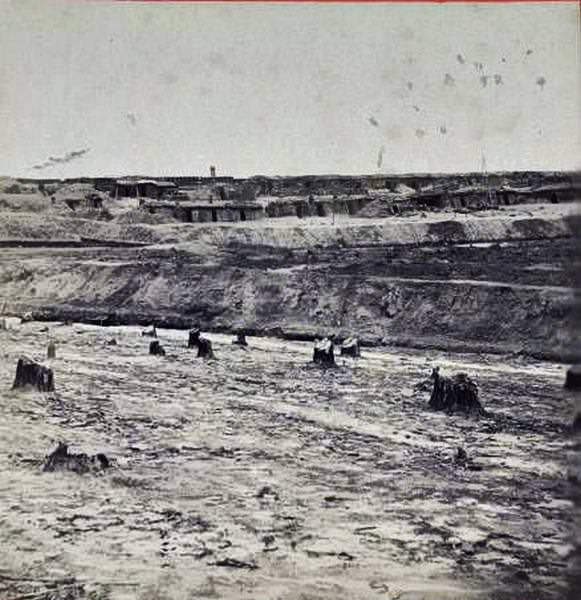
(111,88)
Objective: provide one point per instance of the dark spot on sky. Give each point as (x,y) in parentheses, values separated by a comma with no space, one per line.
(503,59)
(410,85)
(420,133)
(529,52)
(132,118)
(484,80)
(443,129)
(449,80)
(460,59)
(541,81)
(380,156)
(498,79)
(478,66)
(373,121)
(416,108)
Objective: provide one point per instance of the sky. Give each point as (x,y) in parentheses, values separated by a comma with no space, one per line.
(101,88)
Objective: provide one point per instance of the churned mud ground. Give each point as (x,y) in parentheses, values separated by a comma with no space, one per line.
(260,476)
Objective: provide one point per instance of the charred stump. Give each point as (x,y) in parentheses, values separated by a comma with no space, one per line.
(323,353)
(455,394)
(240,340)
(573,378)
(350,347)
(156,348)
(31,373)
(51,350)
(62,460)
(205,348)
(193,338)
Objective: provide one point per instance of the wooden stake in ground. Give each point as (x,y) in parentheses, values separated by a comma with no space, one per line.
(455,394)
(31,373)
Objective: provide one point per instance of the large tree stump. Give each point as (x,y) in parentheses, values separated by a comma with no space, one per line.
(156,348)
(30,373)
(51,350)
(573,378)
(62,460)
(205,348)
(323,352)
(455,394)
(350,347)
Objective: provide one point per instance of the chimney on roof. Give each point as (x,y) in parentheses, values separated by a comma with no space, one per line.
(212,171)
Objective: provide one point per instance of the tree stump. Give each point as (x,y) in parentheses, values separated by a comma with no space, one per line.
(240,340)
(323,353)
(350,347)
(150,332)
(205,348)
(156,348)
(573,378)
(455,394)
(30,373)
(62,460)
(193,338)
(51,350)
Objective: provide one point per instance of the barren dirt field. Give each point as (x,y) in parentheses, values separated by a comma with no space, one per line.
(258,475)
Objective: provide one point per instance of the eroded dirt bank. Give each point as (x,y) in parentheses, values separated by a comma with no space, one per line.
(497,282)
(259,476)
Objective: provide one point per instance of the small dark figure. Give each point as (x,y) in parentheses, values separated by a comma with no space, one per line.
(240,340)
(323,352)
(30,373)
(111,342)
(205,348)
(150,332)
(350,347)
(156,348)
(455,394)
(51,350)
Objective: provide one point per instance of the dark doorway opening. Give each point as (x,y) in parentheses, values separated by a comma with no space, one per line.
(214,215)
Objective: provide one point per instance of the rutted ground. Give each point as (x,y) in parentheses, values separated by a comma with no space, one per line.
(260,476)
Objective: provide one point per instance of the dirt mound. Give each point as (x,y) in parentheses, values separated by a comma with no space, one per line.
(136,216)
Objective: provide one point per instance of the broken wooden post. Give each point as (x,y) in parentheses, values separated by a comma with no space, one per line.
(323,352)
(51,350)
(240,339)
(156,348)
(350,347)
(31,373)
(205,348)
(573,378)
(455,394)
